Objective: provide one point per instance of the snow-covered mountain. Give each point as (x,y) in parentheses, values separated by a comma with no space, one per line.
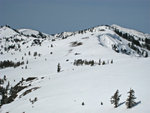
(58,73)
(114,37)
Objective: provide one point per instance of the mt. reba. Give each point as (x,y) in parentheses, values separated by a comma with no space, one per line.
(43,73)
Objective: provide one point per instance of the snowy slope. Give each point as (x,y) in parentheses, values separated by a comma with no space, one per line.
(132,32)
(65,91)
(30,32)
(6,31)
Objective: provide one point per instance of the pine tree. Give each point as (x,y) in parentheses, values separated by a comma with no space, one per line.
(29,53)
(130,100)
(111,62)
(103,63)
(99,63)
(83,104)
(58,67)
(26,67)
(5,78)
(27,62)
(115,99)
(35,54)
(7,87)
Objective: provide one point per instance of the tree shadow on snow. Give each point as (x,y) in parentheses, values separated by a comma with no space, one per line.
(121,103)
(137,103)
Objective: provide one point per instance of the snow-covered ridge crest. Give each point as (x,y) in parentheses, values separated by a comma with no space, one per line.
(119,39)
(131,31)
(128,41)
(7,31)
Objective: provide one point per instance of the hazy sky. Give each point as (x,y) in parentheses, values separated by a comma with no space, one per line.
(53,16)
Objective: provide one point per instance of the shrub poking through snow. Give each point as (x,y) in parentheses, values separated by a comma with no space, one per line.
(34,100)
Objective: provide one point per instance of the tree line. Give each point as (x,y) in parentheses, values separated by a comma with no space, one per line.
(8,63)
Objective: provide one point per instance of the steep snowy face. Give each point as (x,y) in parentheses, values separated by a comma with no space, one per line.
(137,41)
(132,32)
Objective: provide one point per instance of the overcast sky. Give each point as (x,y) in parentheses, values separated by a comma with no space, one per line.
(53,16)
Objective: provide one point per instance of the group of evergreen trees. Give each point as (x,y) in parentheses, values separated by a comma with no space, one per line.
(85,62)
(91,62)
(4,90)
(7,63)
(139,51)
(8,93)
(130,101)
(14,45)
(74,44)
(36,42)
(135,43)
(39,35)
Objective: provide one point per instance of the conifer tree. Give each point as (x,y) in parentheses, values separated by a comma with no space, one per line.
(111,61)
(29,53)
(115,99)
(99,63)
(130,100)
(103,63)
(58,67)
(83,104)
